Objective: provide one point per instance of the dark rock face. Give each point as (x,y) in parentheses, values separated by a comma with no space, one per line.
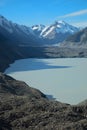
(9,53)
(78,39)
(17,34)
(25,108)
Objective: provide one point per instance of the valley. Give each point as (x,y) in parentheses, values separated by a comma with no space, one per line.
(52,59)
(21,42)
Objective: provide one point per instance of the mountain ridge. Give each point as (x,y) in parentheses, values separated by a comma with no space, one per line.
(18,34)
(56,32)
(78,39)
(37,34)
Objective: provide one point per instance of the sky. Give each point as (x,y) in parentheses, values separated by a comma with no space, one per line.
(31,12)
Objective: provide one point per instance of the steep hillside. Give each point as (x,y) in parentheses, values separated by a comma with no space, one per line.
(18,34)
(78,39)
(8,52)
(25,108)
(37,35)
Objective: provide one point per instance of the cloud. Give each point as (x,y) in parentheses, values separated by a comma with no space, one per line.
(80,24)
(81,12)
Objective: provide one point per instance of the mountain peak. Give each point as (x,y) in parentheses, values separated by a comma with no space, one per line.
(38,27)
(55,33)
(58,27)
(2,17)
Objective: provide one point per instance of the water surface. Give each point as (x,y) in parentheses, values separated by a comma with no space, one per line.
(64,79)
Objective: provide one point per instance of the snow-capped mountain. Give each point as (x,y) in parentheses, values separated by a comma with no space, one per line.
(54,33)
(58,31)
(20,34)
(37,34)
(10,26)
(37,29)
(59,27)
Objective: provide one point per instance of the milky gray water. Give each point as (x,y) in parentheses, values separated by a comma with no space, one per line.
(63,79)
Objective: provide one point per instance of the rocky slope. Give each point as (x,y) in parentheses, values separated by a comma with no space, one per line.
(18,34)
(78,39)
(8,52)
(65,52)
(25,108)
(14,39)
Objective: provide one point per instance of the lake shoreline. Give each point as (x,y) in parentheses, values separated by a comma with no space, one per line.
(56,77)
(24,52)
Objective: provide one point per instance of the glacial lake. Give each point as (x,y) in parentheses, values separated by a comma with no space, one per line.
(64,79)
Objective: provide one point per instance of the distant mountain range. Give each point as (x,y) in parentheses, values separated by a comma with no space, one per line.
(54,33)
(39,41)
(78,39)
(22,107)
(37,35)
(17,34)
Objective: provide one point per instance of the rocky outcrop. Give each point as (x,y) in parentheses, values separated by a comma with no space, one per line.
(25,108)
(78,39)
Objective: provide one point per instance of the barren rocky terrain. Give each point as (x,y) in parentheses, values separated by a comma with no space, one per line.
(25,108)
